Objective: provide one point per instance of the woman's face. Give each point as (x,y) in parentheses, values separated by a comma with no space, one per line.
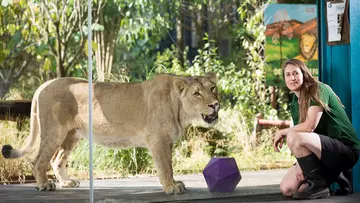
(293,77)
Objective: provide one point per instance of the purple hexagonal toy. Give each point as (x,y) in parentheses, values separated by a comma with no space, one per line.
(222,174)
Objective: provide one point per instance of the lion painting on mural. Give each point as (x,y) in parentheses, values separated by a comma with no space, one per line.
(308,47)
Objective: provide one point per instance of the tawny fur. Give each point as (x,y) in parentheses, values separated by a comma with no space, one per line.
(152,114)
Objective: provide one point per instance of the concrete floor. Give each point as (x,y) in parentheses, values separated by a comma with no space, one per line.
(259,186)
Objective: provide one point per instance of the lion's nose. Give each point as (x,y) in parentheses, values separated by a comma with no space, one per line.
(214,106)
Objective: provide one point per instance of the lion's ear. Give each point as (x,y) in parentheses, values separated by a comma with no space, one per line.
(180,85)
(212,77)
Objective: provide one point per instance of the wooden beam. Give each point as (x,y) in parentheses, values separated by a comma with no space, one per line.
(13,110)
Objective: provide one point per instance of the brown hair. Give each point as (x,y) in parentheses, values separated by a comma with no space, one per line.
(309,90)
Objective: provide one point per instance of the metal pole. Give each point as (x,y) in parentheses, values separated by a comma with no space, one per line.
(90,101)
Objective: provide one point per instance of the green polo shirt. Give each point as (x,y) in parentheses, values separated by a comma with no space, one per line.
(334,123)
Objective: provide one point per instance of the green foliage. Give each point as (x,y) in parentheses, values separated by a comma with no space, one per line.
(142,26)
(58,29)
(168,62)
(138,19)
(16,46)
(119,161)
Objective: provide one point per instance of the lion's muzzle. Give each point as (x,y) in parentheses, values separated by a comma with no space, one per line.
(214,116)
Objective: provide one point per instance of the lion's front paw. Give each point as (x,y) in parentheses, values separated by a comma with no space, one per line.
(48,186)
(70,183)
(177,187)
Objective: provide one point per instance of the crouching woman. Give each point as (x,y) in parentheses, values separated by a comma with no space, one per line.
(322,139)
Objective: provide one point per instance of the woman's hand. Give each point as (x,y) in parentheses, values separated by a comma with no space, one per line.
(278,140)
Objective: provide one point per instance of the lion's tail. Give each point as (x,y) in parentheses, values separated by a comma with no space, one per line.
(9,152)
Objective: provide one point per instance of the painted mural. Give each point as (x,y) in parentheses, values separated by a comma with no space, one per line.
(291,32)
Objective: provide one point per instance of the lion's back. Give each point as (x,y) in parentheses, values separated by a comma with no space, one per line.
(55,100)
(57,86)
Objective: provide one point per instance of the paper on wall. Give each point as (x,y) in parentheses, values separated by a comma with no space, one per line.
(335,12)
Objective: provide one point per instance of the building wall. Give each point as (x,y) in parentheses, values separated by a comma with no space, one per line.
(340,68)
(355,76)
(334,63)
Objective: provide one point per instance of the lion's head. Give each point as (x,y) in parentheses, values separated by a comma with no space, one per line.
(199,97)
(308,45)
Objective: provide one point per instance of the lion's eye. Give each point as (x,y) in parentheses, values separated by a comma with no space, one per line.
(212,89)
(197,94)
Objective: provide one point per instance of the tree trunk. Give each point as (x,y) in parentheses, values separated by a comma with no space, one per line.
(280,40)
(273,97)
(60,71)
(210,23)
(98,56)
(60,68)
(105,41)
(200,27)
(4,88)
(180,38)
(112,34)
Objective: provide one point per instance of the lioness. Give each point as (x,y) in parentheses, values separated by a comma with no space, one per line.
(151,114)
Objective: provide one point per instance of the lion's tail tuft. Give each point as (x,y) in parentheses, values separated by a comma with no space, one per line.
(9,152)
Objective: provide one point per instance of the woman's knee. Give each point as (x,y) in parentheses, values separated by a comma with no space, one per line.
(301,143)
(289,183)
(293,139)
(287,189)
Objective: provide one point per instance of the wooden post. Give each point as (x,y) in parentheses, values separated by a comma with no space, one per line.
(273,97)
(256,130)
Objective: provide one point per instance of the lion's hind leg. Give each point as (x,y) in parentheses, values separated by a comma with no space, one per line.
(60,158)
(48,146)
